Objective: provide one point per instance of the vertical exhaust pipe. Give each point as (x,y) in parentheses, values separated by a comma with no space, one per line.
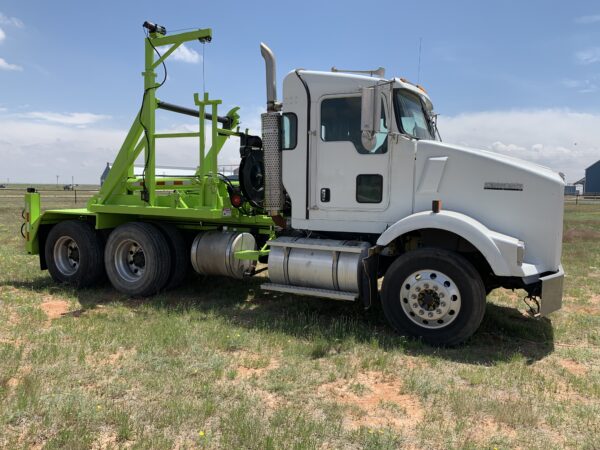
(269,58)
(271,138)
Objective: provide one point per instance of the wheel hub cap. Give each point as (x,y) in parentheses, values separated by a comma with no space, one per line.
(130,260)
(430,299)
(66,255)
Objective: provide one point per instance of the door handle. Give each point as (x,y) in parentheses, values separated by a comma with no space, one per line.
(325,195)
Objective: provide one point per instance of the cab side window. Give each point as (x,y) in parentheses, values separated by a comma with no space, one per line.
(289,131)
(340,121)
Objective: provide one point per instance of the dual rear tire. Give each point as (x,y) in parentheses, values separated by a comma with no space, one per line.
(74,254)
(140,259)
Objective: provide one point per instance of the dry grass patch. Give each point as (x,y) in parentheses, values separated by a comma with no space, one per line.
(374,402)
(16,380)
(114,359)
(250,365)
(573,367)
(580,234)
(53,307)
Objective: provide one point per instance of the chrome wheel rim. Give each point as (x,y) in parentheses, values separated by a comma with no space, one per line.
(66,255)
(430,299)
(130,260)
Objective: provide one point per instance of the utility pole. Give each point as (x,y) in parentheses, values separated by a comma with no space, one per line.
(57,180)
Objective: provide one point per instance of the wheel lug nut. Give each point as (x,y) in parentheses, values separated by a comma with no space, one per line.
(421,312)
(426,285)
(418,289)
(430,315)
(438,311)
(413,296)
(442,295)
(415,305)
(443,304)
(435,288)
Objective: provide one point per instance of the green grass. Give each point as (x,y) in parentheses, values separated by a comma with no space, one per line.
(221,364)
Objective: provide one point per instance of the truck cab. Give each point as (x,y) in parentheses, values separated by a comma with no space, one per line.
(348,188)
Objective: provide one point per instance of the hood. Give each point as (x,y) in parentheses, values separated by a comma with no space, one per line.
(508,195)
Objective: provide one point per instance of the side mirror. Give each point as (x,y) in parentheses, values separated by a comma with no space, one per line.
(370,115)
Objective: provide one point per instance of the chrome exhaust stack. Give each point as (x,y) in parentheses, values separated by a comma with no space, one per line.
(270,67)
(271,138)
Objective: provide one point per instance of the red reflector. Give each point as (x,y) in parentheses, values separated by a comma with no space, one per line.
(236,200)
(160,183)
(178,183)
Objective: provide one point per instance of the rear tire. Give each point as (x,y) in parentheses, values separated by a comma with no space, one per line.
(74,254)
(434,294)
(137,259)
(180,254)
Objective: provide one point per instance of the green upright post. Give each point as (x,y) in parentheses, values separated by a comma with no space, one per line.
(149,123)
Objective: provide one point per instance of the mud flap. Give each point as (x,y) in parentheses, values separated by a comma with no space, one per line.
(552,292)
(368,285)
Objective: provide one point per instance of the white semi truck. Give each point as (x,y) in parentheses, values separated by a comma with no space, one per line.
(350,185)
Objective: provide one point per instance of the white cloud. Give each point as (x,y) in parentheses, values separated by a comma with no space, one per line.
(2,35)
(586,20)
(34,151)
(4,65)
(78,119)
(184,54)
(588,56)
(5,20)
(561,139)
(581,86)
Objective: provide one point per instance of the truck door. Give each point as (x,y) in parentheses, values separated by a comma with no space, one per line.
(348,176)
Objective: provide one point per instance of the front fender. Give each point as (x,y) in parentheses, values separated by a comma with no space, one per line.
(499,250)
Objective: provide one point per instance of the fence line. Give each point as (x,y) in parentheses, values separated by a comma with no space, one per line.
(84,194)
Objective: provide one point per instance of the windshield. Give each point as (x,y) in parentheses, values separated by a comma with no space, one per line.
(412,119)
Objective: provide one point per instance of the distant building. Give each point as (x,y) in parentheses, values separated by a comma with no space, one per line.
(571,189)
(592,179)
(104,174)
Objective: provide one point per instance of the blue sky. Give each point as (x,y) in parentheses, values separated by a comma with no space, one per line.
(518,77)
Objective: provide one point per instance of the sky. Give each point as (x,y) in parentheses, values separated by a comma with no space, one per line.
(517,77)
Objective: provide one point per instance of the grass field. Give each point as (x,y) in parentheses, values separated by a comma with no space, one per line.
(221,364)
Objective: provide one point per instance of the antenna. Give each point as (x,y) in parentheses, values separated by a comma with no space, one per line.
(419,66)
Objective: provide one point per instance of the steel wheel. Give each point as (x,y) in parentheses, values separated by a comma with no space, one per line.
(433,294)
(430,298)
(129,260)
(66,255)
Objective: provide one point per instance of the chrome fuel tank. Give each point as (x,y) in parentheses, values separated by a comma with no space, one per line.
(317,263)
(213,253)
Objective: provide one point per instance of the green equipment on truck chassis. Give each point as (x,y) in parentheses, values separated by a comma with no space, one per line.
(201,202)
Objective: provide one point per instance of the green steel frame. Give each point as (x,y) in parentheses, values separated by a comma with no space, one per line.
(198,202)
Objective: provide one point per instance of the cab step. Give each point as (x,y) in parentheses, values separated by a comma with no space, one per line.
(312,292)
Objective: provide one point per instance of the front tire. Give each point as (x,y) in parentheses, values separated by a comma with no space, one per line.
(434,294)
(74,254)
(137,259)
